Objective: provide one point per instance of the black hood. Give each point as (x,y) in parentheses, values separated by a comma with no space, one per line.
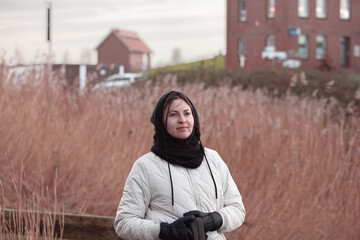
(157,120)
(185,152)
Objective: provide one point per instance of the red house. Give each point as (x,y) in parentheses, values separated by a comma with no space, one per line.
(264,34)
(124,48)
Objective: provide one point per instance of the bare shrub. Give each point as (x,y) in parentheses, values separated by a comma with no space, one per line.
(36,214)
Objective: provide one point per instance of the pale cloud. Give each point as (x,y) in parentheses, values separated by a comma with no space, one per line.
(197,27)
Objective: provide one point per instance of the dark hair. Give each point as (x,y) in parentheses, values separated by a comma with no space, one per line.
(170,99)
(157,117)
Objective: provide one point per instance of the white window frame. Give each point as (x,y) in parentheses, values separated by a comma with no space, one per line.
(303,8)
(344,9)
(321,8)
(242,10)
(271,8)
(303,46)
(356,51)
(321,44)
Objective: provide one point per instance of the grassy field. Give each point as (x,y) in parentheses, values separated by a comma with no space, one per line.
(217,63)
(295,160)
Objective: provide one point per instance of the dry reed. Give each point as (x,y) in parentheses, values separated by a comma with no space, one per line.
(296,166)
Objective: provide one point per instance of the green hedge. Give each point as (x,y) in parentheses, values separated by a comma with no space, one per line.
(275,82)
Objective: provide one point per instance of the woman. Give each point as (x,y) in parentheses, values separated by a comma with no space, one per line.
(178,181)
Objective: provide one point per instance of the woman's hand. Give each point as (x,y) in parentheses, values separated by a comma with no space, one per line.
(211,221)
(177,230)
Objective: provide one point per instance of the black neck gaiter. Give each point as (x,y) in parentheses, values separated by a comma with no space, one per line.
(187,152)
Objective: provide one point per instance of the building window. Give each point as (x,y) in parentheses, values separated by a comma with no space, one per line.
(303,44)
(242,10)
(344,9)
(242,52)
(270,8)
(303,8)
(356,51)
(320,47)
(345,51)
(321,8)
(270,41)
(242,47)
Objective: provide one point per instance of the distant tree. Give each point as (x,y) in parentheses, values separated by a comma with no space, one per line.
(85,56)
(66,57)
(18,57)
(176,56)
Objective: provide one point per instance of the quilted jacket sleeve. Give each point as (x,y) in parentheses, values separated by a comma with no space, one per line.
(233,212)
(129,222)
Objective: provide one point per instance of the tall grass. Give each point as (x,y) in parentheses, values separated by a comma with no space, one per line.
(36,215)
(295,163)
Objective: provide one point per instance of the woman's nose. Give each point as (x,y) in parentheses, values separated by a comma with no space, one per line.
(182,118)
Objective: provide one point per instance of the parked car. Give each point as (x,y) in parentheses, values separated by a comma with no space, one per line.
(118,80)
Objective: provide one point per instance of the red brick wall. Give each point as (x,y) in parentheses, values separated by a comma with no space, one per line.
(257,27)
(136,61)
(112,51)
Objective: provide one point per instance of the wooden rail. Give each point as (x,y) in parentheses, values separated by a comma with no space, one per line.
(76,226)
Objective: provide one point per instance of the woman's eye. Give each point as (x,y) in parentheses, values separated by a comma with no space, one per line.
(172,114)
(187,114)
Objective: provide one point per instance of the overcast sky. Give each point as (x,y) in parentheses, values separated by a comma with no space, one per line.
(196,27)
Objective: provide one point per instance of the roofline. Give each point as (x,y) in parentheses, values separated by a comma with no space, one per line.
(127,46)
(103,41)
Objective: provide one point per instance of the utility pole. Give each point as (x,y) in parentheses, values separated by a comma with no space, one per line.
(49,8)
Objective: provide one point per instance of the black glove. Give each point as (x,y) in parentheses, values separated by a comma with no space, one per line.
(177,230)
(212,221)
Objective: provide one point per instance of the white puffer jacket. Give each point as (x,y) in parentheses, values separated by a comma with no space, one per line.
(147,201)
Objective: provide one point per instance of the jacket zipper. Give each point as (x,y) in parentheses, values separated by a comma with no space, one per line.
(162,211)
(192,185)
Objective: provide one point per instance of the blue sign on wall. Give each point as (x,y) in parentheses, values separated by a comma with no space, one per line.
(294,31)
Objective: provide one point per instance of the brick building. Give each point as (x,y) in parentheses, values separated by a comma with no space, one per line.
(308,32)
(124,48)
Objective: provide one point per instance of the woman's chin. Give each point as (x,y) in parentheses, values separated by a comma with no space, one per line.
(182,135)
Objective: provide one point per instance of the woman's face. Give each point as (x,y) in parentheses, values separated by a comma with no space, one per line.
(180,121)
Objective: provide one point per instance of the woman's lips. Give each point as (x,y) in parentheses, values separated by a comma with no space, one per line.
(182,128)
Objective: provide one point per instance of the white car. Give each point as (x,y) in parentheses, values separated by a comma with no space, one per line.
(118,80)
